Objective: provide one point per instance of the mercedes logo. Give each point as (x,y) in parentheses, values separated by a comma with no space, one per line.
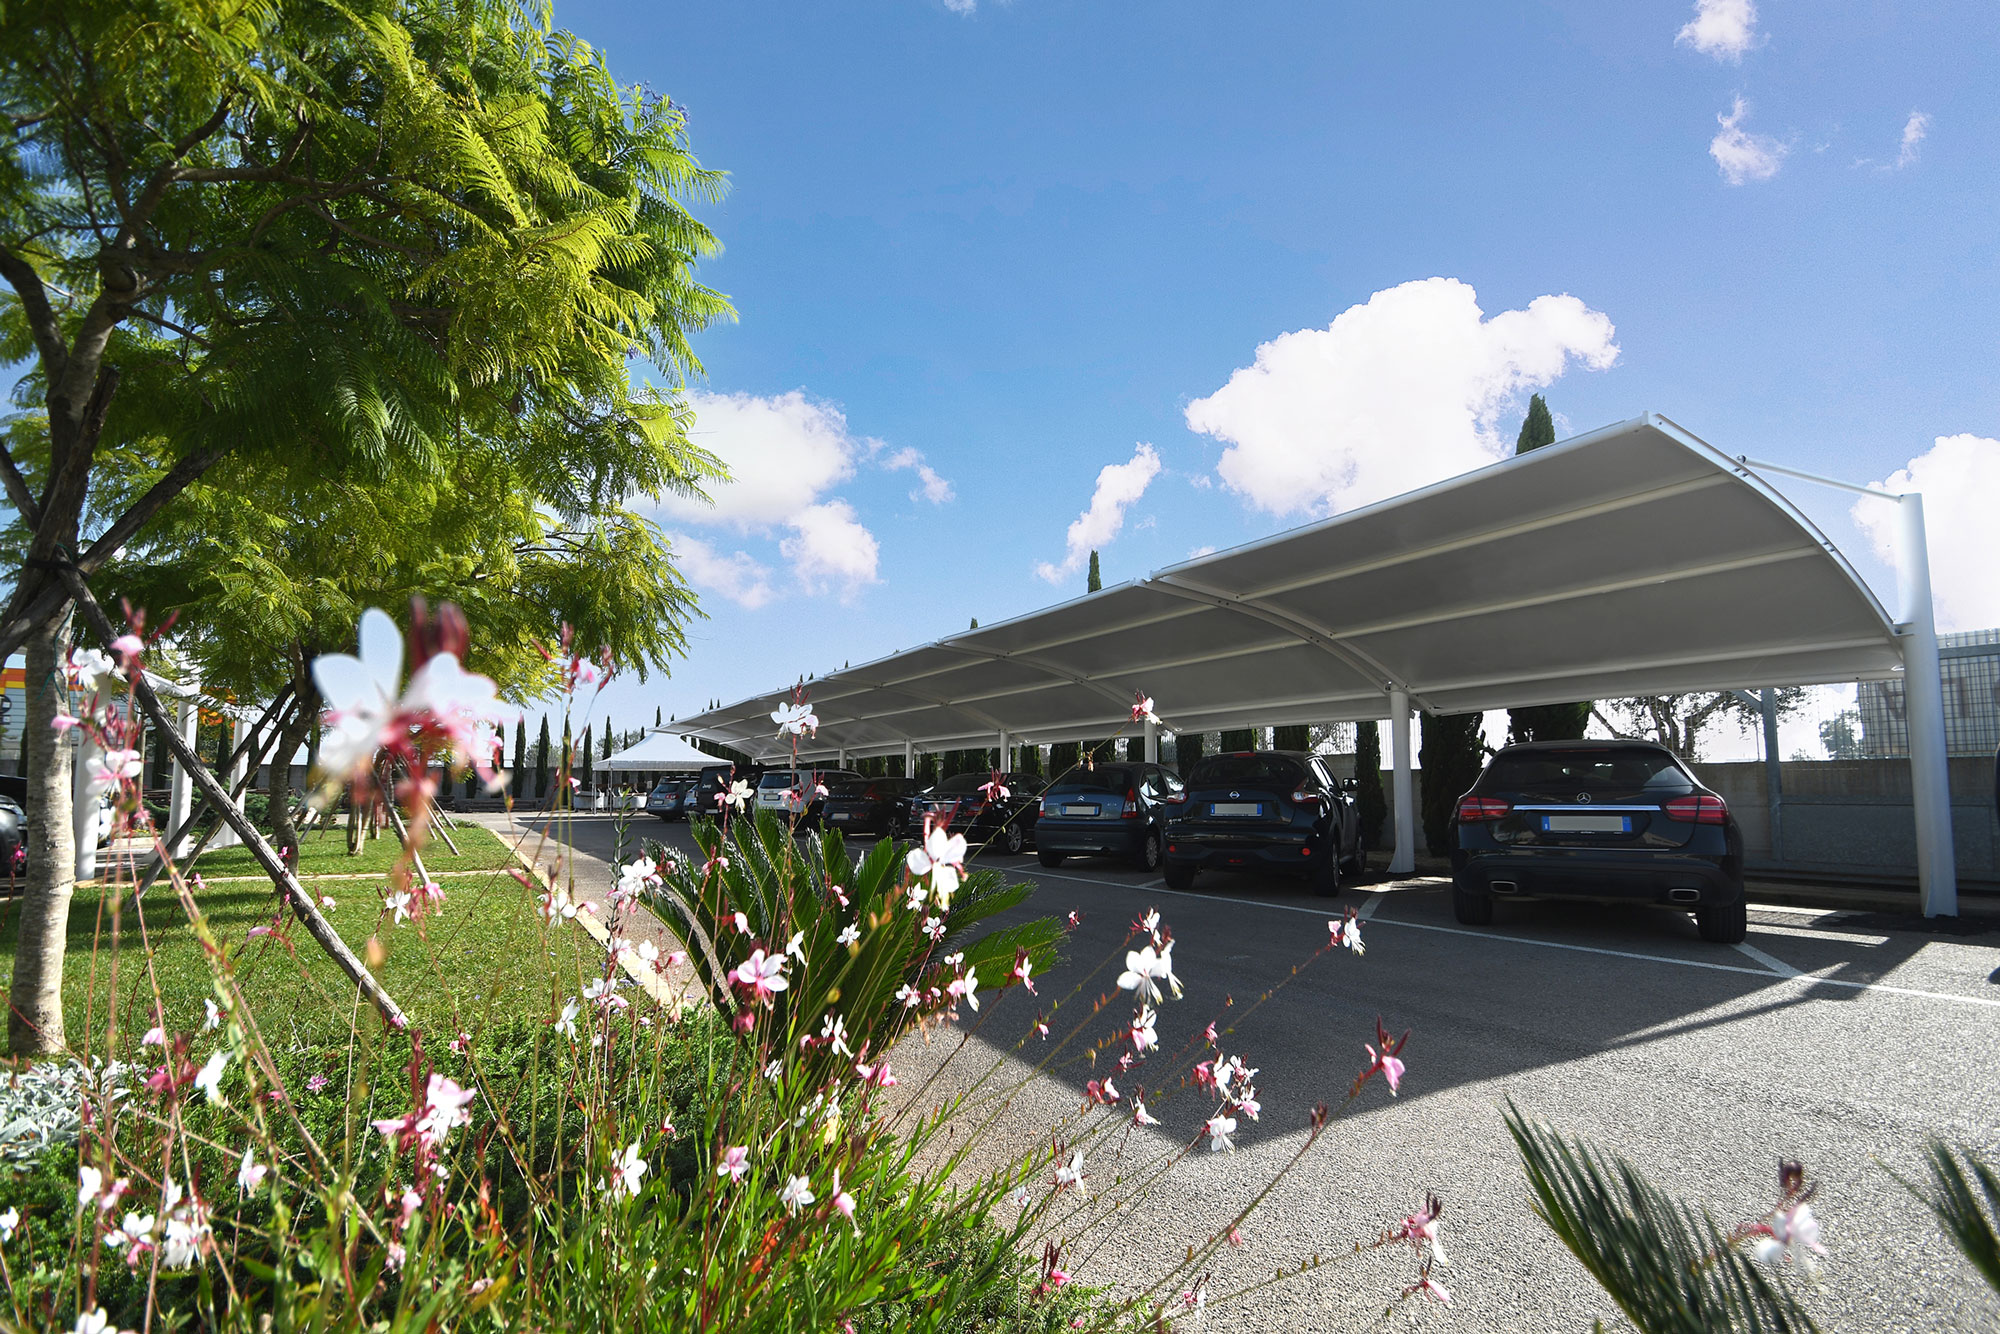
(1583,798)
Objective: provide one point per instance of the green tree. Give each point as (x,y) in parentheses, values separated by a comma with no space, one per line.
(1679,722)
(1237,738)
(607,738)
(1096,581)
(1841,735)
(520,775)
(344,236)
(1292,738)
(1371,804)
(1187,752)
(1543,722)
(542,761)
(1451,756)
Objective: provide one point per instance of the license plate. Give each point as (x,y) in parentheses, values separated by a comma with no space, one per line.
(1079,810)
(1586,824)
(840,815)
(1235,808)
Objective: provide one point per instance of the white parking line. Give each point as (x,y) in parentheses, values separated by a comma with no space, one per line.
(1776,965)
(1773,970)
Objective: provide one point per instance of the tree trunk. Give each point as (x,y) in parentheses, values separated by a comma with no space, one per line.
(284,833)
(353,823)
(35,1017)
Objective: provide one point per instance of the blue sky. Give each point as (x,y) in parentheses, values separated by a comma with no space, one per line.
(1010,243)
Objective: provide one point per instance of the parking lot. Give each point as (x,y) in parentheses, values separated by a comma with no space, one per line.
(1841,1041)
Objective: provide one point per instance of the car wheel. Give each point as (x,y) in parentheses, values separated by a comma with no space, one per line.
(1325,875)
(1724,924)
(1013,838)
(1179,875)
(1471,907)
(1149,852)
(1048,858)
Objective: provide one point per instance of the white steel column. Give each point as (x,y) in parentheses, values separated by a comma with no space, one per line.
(1402,797)
(1923,697)
(1005,742)
(1152,742)
(909,759)
(225,837)
(181,798)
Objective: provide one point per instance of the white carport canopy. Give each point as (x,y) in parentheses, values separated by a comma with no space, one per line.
(1635,560)
(658,753)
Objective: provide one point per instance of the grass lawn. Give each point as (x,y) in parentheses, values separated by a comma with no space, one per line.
(324,852)
(483,955)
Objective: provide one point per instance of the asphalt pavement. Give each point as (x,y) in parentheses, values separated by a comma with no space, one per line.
(1827,1037)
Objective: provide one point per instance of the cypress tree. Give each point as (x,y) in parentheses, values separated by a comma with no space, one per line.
(1237,738)
(656,715)
(1292,738)
(1135,749)
(1187,751)
(542,761)
(1451,757)
(520,754)
(1064,756)
(1096,576)
(1544,722)
(1369,802)
(975,623)
(607,738)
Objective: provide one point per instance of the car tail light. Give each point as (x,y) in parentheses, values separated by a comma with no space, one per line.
(1478,810)
(1131,811)
(1305,798)
(872,794)
(1701,808)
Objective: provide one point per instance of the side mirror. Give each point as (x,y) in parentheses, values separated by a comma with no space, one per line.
(1350,785)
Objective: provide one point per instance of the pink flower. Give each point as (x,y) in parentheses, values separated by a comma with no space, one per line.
(1021,970)
(155,1037)
(1142,1117)
(1431,1288)
(1144,1035)
(128,646)
(1101,1092)
(963,988)
(761,975)
(994,789)
(1385,1061)
(1347,931)
(735,1162)
(316,1083)
(843,1203)
(1142,708)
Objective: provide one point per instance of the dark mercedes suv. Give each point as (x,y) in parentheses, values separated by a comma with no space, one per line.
(1613,821)
(1263,810)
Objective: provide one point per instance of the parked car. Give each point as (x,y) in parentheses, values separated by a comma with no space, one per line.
(715,779)
(1263,810)
(868,805)
(794,794)
(13,838)
(1611,821)
(1007,823)
(1115,810)
(668,799)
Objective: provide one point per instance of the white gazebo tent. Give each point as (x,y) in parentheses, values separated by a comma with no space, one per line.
(662,751)
(1635,560)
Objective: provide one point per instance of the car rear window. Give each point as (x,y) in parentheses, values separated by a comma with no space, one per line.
(1275,770)
(778,780)
(1592,769)
(1111,778)
(961,784)
(849,787)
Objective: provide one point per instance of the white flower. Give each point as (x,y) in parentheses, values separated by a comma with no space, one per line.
(964,987)
(1142,709)
(934,928)
(367,708)
(1071,1173)
(1144,1035)
(209,1079)
(1347,931)
(796,1195)
(738,795)
(214,1015)
(797,719)
(90,1181)
(917,894)
(627,1169)
(112,768)
(93,1322)
(1219,1129)
(742,924)
(8,1222)
(796,947)
(833,1032)
(1794,1238)
(399,904)
(762,975)
(1142,1117)
(1140,967)
(1018,1197)
(566,1023)
(942,858)
(636,878)
(774,1069)
(848,934)
(909,995)
(250,1173)
(89,668)
(1163,969)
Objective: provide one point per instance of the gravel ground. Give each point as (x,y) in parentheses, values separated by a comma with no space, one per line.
(1833,1039)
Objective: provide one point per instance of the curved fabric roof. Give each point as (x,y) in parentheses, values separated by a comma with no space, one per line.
(1635,560)
(657,751)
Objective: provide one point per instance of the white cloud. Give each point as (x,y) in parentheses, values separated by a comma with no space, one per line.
(784,453)
(1118,486)
(1959,476)
(962,6)
(930,486)
(1724,29)
(1914,130)
(1399,392)
(737,577)
(829,549)
(1199,552)
(1741,155)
